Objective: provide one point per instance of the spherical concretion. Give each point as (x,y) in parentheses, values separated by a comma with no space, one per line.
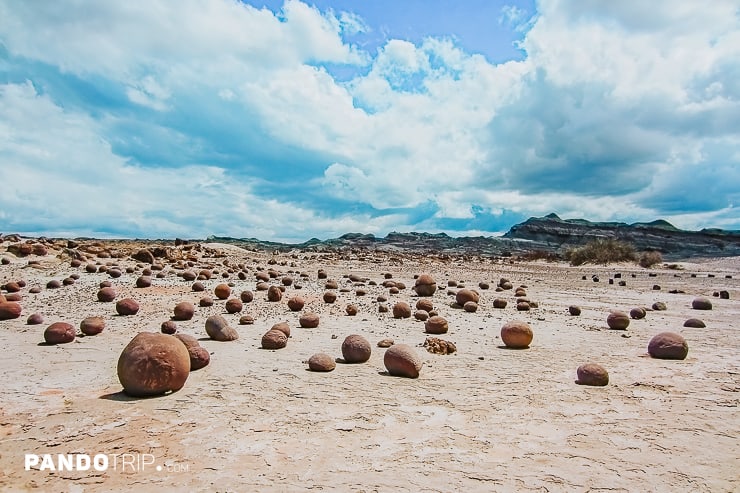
(465,295)
(91,326)
(351,310)
(246,296)
(421,315)
(309,320)
(274,339)
(517,334)
(222,291)
(500,303)
(659,306)
(199,357)
(638,313)
(356,349)
(618,320)
(274,294)
(402,361)
(330,297)
(143,282)
(234,305)
(387,342)
(382,308)
(321,362)
(59,333)
(401,310)
(10,310)
(153,364)
(701,303)
(522,306)
(694,323)
(198,287)
(184,311)
(54,284)
(574,310)
(593,375)
(436,325)
(282,327)
(106,295)
(425,285)
(206,301)
(188,340)
(218,329)
(246,320)
(13,297)
(12,287)
(127,306)
(470,307)
(296,303)
(668,345)
(189,276)
(35,319)
(424,304)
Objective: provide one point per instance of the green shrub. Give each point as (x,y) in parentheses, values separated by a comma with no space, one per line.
(650,258)
(601,251)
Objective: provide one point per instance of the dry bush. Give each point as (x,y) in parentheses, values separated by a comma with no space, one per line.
(601,251)
(650,258)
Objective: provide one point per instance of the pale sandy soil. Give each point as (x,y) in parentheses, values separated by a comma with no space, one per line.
(483,419)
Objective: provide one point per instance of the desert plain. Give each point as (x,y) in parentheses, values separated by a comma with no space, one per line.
(484,418)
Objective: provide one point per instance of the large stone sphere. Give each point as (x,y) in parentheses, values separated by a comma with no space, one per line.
(10,310)
(153,364)
(309,320)
(401,310)
(517,334)
(668,345)
(356,349)
(638,313)
(701,303)
(218,329)
(234,305)
(274,294)
(274,339)
(59,333)
(618,320)
(425,285)
(402,361)
(127,306)
(296,303)
(436,325)
(222,291)
(465,295)
(321,362)
(592,374)
(184,311)
(107,294)
(91,326)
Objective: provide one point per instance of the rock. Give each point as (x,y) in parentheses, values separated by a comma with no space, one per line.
(296,303)
(321,362)
(593,375)
(218,329)
(439,346)
(694,323)
(659,306)
(10,310)
(91,326)
(517,334)
(246,320)
(12,287)
(143,282)
(309,320)
(206,301)
(701,303)
(198,287)
(402,361)
(351,310)
(330,297)
(465,295)
(17,297)
(189,276)
(188,340)
(144,255)
(234,305)
(106,295)
(152,364)
(59,333)
(523,306)
(470,307)
(385,342)
(425,285)
(638,313)
(421,315)
(222,291)
(436,325)
(401,310)
(282,327)
(499,303)
(618,320)
(199,357)
(724,295)
(574,310)
(35,319)
(127,306)
(423,304)
(184,311)
(54,284)
(274,339)
(356,349)
(246,296)
(668,345)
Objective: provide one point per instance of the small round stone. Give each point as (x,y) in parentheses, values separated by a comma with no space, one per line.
(574,310)
(91,326)
(694,323)
(385,343)
(35,319)
(246,320)
(222,291)
(470,307)
(168,327)
(184,311)
(465,295)
(618,320)
(668,345)
(425,285)
(321,362)
(59,333)
(517,334)
(234,305)
(296,303)
(402,361)
(10,310)
(638,313)
(436,325)
(356,349)
(401,310)
(218,329)
(330,297)
(593,375)
(701,303)
(309,320)
(106,294)
(127,306)
(274,339)
(500,303)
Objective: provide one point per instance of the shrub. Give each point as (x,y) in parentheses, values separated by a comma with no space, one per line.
(601,251)
(650,258)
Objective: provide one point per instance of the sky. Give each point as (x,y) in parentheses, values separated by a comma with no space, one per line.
(287,120)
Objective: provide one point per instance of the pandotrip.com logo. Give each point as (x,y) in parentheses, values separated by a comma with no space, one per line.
(121,463)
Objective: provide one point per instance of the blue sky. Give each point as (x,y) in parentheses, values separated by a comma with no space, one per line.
(291,120)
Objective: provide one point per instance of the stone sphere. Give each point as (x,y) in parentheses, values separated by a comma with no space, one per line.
(694,323)
(282,327)
(436,325)
(246,320)
(153,364)
(402,361)
(218,329)
(470,307)
(668,345)
(500,303)
(199,357)
(274,294)
(206,301)
(638,313)
(143,282)
(296,304)
(618,320)
(198,287)
(234,305)
(387,342)
(321,362)
(356,349)
(517,334)
(401,310)
(91,326)
(59,333)
(425,285)
(522,306)
(593,375)
(330,297)
(659,306)
(574,310)
(246,296)
(107,294)
(351,310)
(309,320)
(701,303)
(127,306)
(425,304)
(189,275)
(421,315)
(222,291)
(35,319)
(168,327)
(274,339)
(184,311)
(465,295)
(10,310)
(12,287)
(54,284)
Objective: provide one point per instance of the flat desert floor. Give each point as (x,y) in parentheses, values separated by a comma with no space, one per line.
(485,418)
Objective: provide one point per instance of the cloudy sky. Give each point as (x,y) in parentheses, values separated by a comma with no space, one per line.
(291,120)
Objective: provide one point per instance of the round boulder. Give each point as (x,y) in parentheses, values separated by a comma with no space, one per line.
(59,333)
(309,320)
(694,323)
(638,313)
(436,325)
(35,319)
(593,375)
(91,326)
(402,361)
(424,304)
(106,295)
(282,327)
(184,311)
(517,334)
(274,339)
(168,327)
(356,349)
(321,362)
(143,282)
(470,307)
(425,285)
(274,294)
(401,310)
(296,303)
(127,306)
(668,345)
(618,320)
(222,291)
(218,329)
(10,310)
(234,305)
(153,364)
(500,303)
(701,303)
(465,295)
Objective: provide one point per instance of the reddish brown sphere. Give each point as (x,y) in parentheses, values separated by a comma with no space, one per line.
(10,310)
(91,326)
(274,294)
(517,334)
(222,291)
(35,319)
(465,295)
(500,303)
(296,304)
(234,305)
(356,349)
(593,375)
(153,364)
(127,306)
(106,295)
(425,285)
(282,327)
(425,304)
(309,320)
(321,362)
(246,296)
(351,310)
(59,333)
(401,310)
(330,297)
(638,313)
(618,320)
(402,361)
(184,311)
(168,327)
(668,345)
(436,325)
(274,339)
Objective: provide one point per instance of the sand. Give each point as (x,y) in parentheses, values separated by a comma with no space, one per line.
(485,418)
